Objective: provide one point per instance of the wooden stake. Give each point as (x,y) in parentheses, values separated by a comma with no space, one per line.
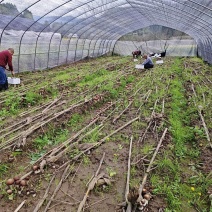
(20,206)
(40,203)
(205,127)
(52,103)
(149,167)
(57,153)
(96,202)
(163,106)
(116,118)
(128,170)
(57,188)
(129,205)
(91,185)
(202,118)
(106,137)
(150,123)
(74,173)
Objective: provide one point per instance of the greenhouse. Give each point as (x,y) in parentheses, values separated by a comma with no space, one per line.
(105,105)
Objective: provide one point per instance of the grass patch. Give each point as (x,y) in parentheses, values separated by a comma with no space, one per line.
(174,173)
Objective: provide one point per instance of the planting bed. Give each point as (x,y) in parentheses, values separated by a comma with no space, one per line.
(100,135)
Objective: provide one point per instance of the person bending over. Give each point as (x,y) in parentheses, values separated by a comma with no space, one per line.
(5,59)
(148,62)
(136,53)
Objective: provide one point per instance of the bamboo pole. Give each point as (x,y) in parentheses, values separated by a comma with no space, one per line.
(149,167)
(91,185)
(20,206)
(129,205)
(40,203)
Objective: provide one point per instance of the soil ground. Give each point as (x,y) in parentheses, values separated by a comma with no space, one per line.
(96,108)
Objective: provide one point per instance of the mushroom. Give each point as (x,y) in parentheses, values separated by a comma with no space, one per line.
(16,178)
(17,182)
(147,196)
(10,181)
(9,191)
(23,183)
(35,167)
(144,191)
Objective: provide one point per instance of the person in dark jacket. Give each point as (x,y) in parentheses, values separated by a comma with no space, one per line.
(5,59)
(148,62)
(136,53)
(163,54)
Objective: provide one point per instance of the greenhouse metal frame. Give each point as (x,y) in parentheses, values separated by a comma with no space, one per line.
(62,31)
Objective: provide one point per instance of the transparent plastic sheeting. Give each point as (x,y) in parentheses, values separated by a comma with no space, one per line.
(175,47)
(49,33)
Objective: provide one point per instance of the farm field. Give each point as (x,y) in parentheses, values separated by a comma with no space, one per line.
(101,136)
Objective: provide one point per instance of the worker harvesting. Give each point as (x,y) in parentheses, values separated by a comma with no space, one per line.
(5,59)
(148,62)
(136,53)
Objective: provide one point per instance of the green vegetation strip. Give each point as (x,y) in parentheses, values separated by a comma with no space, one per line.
(179,180)
(176,177)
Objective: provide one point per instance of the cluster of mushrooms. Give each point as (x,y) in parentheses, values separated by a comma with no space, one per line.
(18,184)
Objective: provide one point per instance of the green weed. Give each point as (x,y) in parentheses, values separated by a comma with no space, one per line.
(4,112)
(167,165)
(13,104)
(35,156)
(147,149)
(3,169)
(75,120)
(53,137)
(86,160)
(92,137)
(32,98)
(74,152)
(179,118)
(133,171)
(111,172)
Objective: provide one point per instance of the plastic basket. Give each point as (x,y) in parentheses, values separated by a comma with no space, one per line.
(139,66)
(159,61)
(13,81)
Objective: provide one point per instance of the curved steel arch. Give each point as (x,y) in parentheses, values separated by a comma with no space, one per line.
(113,1)
(75,25)
(136,27)
(57,31)
(14,19)
(61,26)
(34,23)
(192,17)
(187,14)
